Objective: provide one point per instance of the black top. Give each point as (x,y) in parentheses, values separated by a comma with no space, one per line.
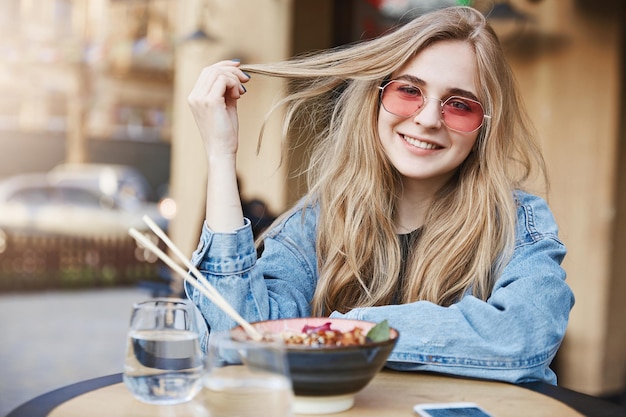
(407,243)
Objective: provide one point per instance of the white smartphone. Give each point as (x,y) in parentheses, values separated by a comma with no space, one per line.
(450,410)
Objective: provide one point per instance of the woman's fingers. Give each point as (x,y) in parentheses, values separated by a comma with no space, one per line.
(213,101)
(221,78)
(218,88)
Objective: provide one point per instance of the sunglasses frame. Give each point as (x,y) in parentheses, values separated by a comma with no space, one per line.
(443,102)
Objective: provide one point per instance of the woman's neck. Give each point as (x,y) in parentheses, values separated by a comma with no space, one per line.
(412,206)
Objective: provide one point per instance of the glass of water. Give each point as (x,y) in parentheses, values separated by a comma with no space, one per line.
(164,363)
(246,378)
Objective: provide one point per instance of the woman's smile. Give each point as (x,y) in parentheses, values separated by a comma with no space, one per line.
(421,144)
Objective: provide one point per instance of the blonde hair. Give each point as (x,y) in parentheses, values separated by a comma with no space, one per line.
(469,231)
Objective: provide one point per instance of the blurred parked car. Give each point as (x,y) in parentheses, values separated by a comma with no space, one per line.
(118,181)
(90,200)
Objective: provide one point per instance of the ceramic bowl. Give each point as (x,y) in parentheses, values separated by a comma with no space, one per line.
(325,379)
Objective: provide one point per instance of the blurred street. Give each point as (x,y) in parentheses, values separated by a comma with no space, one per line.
(52,339)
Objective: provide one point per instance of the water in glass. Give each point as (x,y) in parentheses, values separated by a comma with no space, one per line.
(163,359)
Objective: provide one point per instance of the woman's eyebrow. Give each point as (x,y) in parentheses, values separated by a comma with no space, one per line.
(421,83)
(463,93)
(412,79)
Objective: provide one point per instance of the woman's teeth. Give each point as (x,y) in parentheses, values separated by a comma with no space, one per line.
(419,143)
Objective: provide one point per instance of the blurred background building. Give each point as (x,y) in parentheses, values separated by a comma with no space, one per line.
(106,82)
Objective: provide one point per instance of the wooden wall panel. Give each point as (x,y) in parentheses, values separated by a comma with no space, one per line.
(570,71)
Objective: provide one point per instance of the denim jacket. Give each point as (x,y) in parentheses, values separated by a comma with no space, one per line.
(513,336)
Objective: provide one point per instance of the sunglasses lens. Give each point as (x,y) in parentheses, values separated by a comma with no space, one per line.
(462,114)
(404,100)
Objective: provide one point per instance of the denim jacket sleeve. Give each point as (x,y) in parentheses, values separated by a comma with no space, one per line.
(513,336)
(279,284)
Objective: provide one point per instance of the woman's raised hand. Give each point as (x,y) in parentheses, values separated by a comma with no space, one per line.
(213,102)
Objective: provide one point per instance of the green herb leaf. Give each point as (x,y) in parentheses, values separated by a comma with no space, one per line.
(380,332)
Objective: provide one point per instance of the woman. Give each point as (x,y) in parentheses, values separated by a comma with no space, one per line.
(415,211)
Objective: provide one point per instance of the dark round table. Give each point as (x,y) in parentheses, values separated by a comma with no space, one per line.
(43,405)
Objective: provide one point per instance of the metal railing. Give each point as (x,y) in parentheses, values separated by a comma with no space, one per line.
(30,261)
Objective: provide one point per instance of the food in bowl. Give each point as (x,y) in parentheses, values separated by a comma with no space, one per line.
(325,335)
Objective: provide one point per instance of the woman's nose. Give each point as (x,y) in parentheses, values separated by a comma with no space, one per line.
(430,114)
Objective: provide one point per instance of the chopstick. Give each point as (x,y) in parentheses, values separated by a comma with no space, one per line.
(200,282)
